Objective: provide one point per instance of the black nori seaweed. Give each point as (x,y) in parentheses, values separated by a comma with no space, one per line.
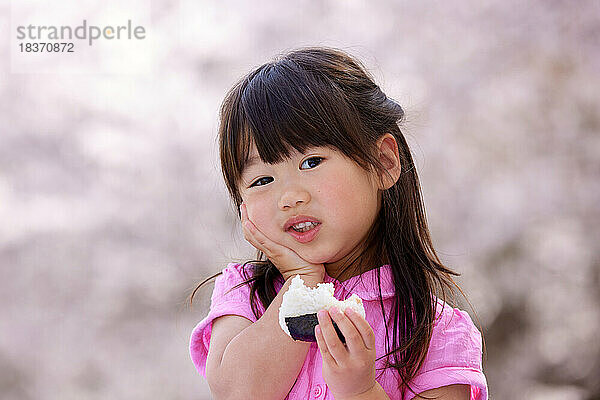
(302,327)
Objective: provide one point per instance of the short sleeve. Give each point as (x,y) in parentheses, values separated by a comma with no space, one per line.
(225,300)
(454,355)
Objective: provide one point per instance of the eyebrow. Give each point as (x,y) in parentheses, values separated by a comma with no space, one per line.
(255,159)
(251,161)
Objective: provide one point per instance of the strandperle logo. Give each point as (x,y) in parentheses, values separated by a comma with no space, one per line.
(84,31)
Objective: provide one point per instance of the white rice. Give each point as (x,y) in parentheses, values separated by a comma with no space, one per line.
(301,299)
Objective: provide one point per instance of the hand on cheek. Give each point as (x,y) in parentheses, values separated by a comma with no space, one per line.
(285,259)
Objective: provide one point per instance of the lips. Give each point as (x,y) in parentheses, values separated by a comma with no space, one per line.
(297,219)
(305,237)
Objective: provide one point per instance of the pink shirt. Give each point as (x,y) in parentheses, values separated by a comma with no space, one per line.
(454,355)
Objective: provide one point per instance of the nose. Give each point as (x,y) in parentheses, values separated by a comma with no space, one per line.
(293,198)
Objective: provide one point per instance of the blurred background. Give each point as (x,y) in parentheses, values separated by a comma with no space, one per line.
(112,207)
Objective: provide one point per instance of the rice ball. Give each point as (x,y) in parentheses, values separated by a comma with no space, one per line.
(300,304)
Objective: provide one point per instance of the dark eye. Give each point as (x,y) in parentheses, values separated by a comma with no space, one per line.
(255,183)
(313,161)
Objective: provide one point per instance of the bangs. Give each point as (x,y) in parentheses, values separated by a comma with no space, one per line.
(283,106)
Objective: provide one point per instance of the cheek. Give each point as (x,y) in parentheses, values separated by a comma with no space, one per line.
(336,195)
(347,198)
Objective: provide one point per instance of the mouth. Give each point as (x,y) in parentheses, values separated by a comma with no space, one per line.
(300,223)
(303,226)
(305,232)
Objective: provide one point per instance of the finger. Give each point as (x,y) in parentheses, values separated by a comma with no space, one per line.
(334,344)
(325,355)
(248,229)
(354,341)
(244,214)
(261,241)
(253,234)
(363,327)
(243,217)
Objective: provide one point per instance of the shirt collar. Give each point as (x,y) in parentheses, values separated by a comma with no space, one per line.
(366,284)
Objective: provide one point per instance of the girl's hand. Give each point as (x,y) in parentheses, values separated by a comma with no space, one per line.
(287,261)
(348,370)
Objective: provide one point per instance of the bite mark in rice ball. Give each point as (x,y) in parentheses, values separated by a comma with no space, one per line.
(300,304)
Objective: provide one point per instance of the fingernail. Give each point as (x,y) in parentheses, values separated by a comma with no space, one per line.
(322,313)
(333,310)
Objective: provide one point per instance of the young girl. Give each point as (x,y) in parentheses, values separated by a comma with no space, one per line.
(312,154)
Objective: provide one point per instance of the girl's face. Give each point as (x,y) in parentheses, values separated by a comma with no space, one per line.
(322,184)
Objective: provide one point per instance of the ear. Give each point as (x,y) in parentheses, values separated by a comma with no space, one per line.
(387,149)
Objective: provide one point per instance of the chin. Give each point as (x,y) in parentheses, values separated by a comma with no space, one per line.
(315,257)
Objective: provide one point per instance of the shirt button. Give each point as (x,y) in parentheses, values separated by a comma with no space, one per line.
(318,391)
